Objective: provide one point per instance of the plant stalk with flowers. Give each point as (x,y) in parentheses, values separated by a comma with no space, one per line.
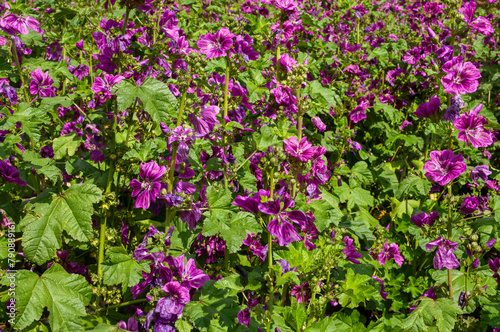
(279,166)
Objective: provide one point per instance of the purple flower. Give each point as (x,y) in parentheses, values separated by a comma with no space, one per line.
(41,84)
(54,51)
(284,95)
(302,150)
(469,205)
(350,251)
(358,113)
(423,218)
(256,248)
(404,124)
(79,45)
(426,110)
(285,5)
(444,166)
(471,128)
(303,294)
(461,77)
(131,325)
(481,24)
(390,251)
(453,111)
(430,294)
(9,173)
(281,226)
(185,138)
(174,303)
(105,84)
(445,258)
(287,62)
(383,293)
(151,173)
(190,276)
(79,71)
(242,47)
(480,172)
(495,266)
(9,92)
(318,123)
(244,317)
(216,45)
(124,233)
(47,152)
(205,123)
(13,24)
(250,204)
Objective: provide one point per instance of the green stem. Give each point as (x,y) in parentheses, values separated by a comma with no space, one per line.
(270,243)
(91,70)
(226,95)
(129,124)
(169,216)
(111,174)
(224,141)
(125,304)
(299,120)
(450,193)
(278,56)
(18,66)
(357,31)
(124,27)
(64,59)
(482,215)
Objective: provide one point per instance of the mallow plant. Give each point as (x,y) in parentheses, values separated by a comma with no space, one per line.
(274,165)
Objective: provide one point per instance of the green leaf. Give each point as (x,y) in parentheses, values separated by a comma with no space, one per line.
(360,198)
(71,211)
(155,95)
(441,313)
(265,138)
(64,295)
(413,184)
(389,112)
(381,54)
(325,213)
(348,323)
(324,95)
(362,173)
(295,316)
(141,151)
(213,302)
(356,290)
(66,145)
(232,282)
(121,268)
(219,201)
(30,118)
(233,229)
(45,166)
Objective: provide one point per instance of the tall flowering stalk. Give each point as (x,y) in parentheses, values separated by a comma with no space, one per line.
(443,167)
(169,214)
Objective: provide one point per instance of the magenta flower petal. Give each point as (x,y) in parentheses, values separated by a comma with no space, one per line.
(444,166)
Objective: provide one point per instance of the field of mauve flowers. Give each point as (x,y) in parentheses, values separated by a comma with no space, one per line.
(273,165)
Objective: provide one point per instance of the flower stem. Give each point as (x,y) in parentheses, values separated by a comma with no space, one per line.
(169,216)
(450,193)
(226,95)
(124,304)
(299,112)
(357,31)
(270,243)
(111,174)
(18,65)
